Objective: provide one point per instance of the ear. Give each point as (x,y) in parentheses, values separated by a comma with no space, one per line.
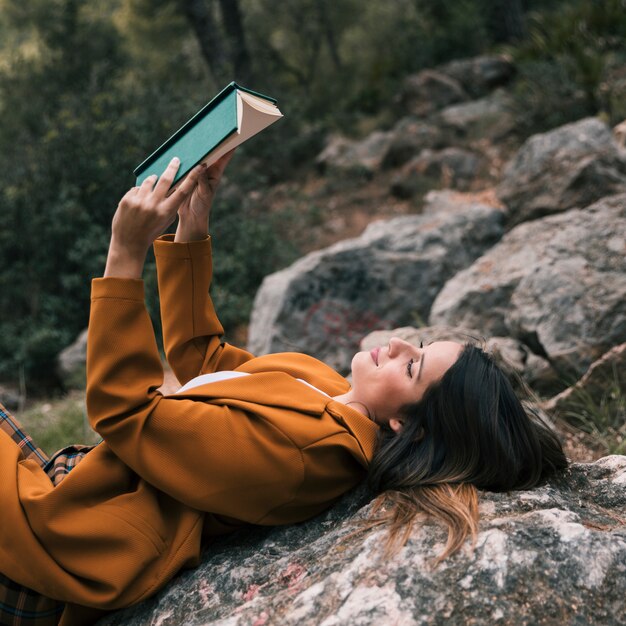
(396,425)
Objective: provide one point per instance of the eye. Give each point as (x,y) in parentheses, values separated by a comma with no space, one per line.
(408,368)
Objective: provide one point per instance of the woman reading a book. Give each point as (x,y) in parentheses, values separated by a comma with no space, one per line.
(268,440)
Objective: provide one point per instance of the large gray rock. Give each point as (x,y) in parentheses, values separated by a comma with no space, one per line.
(515,358)
(461,80)
(11,398)
(558,284)
(571,166)
(389,276)
(491,117)
(430,91)
(479,75)
(72,363)
(409,137)
(355,157)
(553,555)
(450,167)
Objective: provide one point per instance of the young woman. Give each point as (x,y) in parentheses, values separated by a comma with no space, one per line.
(268,440)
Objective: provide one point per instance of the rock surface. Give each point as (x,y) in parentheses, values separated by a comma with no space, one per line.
(460,80)
(549,556)
(491,117)
(568,167)
(558,284)
(10,398)
(450,167)
(389,276)
(409,137)
(430,91)
(362,157)
(71,363)
(479,75)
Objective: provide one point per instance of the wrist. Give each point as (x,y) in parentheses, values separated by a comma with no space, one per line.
(123,262)
(185,234)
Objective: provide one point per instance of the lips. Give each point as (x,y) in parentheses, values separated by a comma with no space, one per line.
(374,354)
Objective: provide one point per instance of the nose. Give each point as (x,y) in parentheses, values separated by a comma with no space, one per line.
(398,346)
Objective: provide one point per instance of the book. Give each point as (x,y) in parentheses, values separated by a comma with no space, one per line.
(229,119)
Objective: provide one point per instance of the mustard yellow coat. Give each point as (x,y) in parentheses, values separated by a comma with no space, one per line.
(261,449)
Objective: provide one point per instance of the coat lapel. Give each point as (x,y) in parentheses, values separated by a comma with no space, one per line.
(273,389)
(302,366)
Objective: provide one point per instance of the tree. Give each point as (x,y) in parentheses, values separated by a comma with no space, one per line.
(224,49)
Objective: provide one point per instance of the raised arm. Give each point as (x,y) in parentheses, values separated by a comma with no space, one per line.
(191,330)
(209,457)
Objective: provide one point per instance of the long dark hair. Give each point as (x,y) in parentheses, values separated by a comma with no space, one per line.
(468,432)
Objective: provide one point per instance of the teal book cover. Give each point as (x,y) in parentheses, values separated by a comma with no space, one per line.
(207,130)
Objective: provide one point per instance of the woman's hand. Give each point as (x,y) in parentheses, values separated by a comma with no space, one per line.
(142,215)
(193,213)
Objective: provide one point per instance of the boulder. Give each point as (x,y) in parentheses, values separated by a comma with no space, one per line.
(72,363)
(327,301)
(491,117)
(552,555)
(430,91)
(569,167)
(604,382)
(358,158)
(408,138)
(450,167)
(461,80)
(619,132)
(479,75)
(516,359)
(558,284)
(10,398)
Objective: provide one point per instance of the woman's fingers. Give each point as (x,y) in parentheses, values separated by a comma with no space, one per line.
(167,178)
(189,184)
(223,161)
(147,185)
(185,188)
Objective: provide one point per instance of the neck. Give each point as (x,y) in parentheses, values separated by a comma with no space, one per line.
(348,399)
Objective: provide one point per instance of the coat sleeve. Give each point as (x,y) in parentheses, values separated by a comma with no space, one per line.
(191,329)
(210,457)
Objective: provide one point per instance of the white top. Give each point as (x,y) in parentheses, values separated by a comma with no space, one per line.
(216,377)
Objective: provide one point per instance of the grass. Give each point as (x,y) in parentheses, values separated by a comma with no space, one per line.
(54,424)
(604,417)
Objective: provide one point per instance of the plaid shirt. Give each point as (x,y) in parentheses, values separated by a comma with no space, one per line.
(20,606)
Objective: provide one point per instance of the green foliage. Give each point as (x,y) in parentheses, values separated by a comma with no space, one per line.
(87,90)
(73,127)
(565,60)
(604,418)
(246,247)
(546,97)
(341,59)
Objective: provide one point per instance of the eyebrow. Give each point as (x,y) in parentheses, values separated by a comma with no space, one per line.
(419,373)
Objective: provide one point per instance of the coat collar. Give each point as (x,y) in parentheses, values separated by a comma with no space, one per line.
(264,391)
(271,389)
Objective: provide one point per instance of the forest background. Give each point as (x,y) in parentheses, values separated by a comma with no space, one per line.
(89,89)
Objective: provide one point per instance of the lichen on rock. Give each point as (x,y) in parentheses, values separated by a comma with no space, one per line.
(552,555)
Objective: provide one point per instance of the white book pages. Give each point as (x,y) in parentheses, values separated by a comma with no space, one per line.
(253,115)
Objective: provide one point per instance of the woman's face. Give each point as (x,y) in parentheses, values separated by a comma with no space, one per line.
(388,378)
